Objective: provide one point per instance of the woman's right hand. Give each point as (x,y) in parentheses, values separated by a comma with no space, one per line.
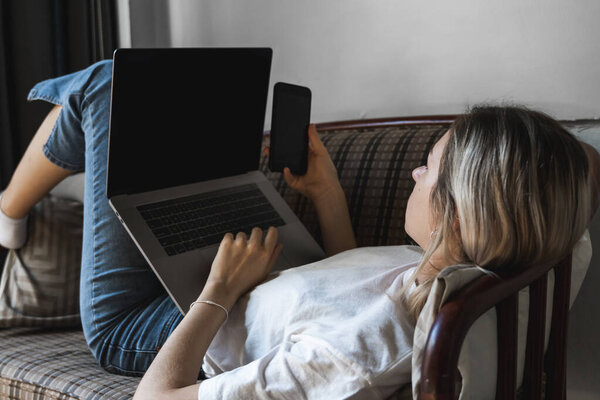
(321,175)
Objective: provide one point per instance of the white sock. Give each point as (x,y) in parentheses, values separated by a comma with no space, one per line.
(13,232)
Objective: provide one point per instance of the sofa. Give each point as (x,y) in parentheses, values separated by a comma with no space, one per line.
(374,159)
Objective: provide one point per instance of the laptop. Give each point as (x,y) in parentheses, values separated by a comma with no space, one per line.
(186,128)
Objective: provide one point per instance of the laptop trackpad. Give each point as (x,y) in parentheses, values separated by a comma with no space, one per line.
(282,262)
(299,248)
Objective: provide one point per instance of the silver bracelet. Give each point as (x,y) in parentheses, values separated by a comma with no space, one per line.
(212,303)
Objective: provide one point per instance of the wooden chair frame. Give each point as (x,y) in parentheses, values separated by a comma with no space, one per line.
(439,370)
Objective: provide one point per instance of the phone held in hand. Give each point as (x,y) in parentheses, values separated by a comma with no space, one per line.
(289,128)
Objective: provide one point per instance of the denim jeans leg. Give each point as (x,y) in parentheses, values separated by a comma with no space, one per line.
(126,314)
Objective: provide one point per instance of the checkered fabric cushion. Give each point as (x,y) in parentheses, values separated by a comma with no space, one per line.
(40,364)
(375,171)
(374,167)
(40,281)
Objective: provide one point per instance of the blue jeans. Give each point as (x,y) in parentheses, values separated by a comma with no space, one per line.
(125,312)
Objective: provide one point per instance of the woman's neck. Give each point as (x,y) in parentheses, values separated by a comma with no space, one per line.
(437,262)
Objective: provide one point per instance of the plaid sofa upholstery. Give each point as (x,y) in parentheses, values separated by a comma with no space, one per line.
(375,167)
(55,364)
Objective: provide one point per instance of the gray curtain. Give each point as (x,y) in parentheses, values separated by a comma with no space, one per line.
(41,40)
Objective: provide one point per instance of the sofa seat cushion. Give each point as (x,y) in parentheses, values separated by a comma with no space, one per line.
(55,364)
(40,364)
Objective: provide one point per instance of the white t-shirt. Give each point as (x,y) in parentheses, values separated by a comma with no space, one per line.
(328,330)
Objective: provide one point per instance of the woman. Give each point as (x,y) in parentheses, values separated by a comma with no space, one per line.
(502,186)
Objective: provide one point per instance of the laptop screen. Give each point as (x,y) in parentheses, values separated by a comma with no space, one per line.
(181,116)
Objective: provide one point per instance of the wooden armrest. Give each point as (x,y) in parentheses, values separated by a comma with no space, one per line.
(461,310)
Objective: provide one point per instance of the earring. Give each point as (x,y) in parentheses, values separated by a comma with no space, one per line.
(433,233)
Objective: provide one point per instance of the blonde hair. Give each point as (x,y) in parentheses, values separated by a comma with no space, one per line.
(517,182)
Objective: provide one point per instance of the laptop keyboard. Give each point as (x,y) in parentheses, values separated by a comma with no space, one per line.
(192,222)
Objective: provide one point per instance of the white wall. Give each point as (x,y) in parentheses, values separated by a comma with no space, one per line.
(372,58)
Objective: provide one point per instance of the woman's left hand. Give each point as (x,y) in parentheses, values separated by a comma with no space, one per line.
(321,178)
(242,263)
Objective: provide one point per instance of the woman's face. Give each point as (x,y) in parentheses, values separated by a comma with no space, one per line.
(419,221)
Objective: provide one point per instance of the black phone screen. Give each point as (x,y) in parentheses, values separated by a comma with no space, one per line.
(289,128)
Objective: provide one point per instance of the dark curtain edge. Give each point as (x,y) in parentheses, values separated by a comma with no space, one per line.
(7,149)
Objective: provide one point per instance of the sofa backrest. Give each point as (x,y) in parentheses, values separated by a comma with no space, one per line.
(374,166)
(374,159)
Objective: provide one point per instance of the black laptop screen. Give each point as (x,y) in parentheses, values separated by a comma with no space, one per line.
(181,116)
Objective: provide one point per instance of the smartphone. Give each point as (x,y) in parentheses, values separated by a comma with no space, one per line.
(289,128)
